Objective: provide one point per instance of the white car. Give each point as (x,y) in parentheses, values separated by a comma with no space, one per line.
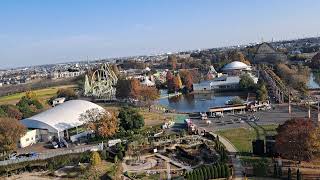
(55,145)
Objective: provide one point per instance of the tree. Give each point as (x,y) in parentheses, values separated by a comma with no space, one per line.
(130,119)
(216,173)
(170,82)
(293,139)
(289,174)
(11,130)
(314,141)
(178,81)
(29,107)
(134,88)
(115,159)
(172,62)
(189,82)
(122,88)
(246,82)
(31,95)
(2,113)
(104,154)
(236,100)
(11,111)
(298,174)
(205,173)
(201,175)
(227,171)
(104,124)
(148,94)
(238,56)
(120,155)
(67,93)
(223,171)
(95,158)
(219,171)
(315,61)
(209,172)
(262,93)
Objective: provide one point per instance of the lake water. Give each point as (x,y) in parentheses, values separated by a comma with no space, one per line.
(312,84)
(198,102)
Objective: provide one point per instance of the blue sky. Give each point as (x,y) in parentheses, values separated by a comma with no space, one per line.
(41,32)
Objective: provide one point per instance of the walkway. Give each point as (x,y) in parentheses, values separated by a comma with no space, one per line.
(188,168)
(238,168)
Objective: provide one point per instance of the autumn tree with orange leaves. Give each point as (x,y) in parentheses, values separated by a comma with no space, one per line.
(104,124)
(11,130)
(148,95)
(172,62)
(296,139)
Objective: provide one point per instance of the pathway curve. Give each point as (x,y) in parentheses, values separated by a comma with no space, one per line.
(188,168)
(238,168)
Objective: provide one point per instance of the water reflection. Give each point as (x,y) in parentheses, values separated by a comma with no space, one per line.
(198,102)
(312,84)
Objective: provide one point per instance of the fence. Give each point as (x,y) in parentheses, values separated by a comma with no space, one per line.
(44,156)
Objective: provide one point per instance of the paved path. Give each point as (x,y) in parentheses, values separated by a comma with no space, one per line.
(188,168)
(238,168)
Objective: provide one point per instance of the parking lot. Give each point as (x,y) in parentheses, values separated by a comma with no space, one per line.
(277,115)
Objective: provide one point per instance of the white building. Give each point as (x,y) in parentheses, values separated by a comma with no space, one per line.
(236,66)
(56,121)
(58,101)
(147,82)
(221,83)
(65,74)
(31,137)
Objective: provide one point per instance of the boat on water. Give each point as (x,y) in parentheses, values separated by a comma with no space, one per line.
(228,102)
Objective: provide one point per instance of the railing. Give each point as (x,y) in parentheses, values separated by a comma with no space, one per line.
(44,156)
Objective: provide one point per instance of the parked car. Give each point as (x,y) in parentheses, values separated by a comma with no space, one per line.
(61,144)
(54,145)
(13,155)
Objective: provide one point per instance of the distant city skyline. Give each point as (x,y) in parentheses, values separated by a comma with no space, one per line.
(37,32)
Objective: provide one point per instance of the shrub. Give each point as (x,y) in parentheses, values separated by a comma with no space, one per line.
(222,171)
(104,154)
(95,158)
(227,171)
(219,170)
(216,173)
(120,155)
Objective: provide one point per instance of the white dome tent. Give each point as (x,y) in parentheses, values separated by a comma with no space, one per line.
(61,118)
(236,65)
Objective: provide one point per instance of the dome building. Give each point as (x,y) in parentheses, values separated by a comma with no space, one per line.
(56,122)
(236,66)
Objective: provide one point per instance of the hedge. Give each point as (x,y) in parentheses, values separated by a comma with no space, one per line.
(48,164)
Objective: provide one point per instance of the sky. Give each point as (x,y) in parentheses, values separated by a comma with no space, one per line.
(36,32)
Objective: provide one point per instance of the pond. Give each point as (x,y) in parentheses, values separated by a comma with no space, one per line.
(198,102)
(312,84)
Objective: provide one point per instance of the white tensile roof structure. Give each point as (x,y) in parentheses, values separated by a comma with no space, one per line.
(62,117)
(236,65)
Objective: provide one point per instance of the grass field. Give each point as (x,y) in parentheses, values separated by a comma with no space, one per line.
(241,138)
(42,94)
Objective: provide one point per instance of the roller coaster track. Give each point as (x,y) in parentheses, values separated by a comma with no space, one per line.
(277,86)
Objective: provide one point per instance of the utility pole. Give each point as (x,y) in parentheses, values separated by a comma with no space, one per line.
(309,110)
(290,114)
(318,113)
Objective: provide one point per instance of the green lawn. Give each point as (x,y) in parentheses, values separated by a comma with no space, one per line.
(241,138)
(42,94)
